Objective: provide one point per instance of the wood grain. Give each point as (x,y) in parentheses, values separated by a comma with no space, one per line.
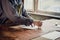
(22,34)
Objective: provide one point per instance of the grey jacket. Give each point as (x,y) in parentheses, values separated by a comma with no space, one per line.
(9,14)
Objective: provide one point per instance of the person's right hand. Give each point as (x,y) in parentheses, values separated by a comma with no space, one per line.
(37,23)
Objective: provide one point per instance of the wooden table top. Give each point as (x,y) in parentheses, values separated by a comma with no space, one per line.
(21,34)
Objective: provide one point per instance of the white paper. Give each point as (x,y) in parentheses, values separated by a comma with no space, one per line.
(50,25)
(29,27)
(52,35)
(26,27)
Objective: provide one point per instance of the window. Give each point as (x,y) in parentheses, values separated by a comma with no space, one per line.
(29,5)
(49,5)
(43,7)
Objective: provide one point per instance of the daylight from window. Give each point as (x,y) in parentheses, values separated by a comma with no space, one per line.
(49,5)
(28,4)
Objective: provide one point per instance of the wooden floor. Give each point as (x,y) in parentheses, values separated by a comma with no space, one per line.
(22,34)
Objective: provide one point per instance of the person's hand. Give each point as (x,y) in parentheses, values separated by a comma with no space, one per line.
(28,22)
(37,23)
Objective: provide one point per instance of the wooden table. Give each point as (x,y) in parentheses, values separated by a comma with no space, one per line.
(21,34)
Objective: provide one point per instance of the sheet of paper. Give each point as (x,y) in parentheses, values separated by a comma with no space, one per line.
(26,27)
(50,25)
(29,27)
(52,35)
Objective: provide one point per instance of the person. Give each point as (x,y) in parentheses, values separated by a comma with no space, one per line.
(12,12)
